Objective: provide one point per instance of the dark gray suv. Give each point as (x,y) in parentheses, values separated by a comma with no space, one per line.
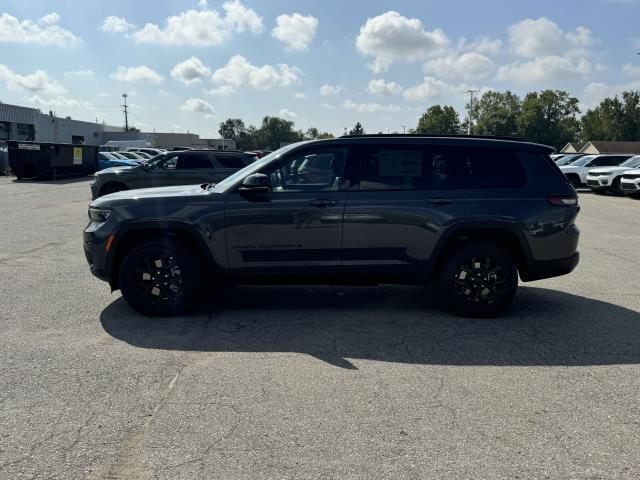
(470,213)
(171,168)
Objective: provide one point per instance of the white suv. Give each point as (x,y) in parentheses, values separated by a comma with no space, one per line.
(630,182)
(576,171)
(608,178)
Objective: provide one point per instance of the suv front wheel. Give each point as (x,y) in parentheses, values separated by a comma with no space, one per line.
(478,280)
(160,278)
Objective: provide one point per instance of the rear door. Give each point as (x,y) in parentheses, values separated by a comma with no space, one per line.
(404,198)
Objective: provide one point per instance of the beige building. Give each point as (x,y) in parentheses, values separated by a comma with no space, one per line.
(599,147)
(571,147)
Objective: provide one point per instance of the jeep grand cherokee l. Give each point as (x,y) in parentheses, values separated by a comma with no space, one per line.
(470,213)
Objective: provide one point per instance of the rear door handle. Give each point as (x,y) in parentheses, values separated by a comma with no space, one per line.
(322,202)
(440,201)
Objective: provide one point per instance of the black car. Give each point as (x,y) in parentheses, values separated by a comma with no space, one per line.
(171,168)
(470,213)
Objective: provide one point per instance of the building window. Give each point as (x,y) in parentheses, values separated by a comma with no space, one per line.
(5,130)
(25,131)
(77,139)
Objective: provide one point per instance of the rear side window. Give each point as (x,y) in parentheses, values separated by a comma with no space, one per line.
(230,161)
(197,160)
(493,168)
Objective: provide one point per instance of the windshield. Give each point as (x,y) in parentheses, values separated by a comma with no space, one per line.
(567,159)
(580,162)
(632,162)
(254,167)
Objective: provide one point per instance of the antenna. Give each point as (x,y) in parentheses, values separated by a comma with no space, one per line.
(126,113)
(470,92)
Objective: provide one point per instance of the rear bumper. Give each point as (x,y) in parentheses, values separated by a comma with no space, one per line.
(537,270)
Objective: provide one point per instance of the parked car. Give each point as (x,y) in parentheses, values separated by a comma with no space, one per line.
(390,209)
(577,170)
(630,182)
(144,155)
(106,160)
(607,179)
(148,150)
(171,168)
(567,159)
(557,156)
(133,156)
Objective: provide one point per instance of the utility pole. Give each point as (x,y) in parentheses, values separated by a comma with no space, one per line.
(126,113)
(470,92)
(404,129)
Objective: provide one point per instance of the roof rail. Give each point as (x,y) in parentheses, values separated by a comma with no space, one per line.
(436,135)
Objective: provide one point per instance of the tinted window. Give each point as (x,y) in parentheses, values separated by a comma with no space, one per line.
(493,168)
(230,161)
(308,171)
(193,160)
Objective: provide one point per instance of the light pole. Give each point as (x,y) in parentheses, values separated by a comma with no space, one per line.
(470,92)
(126,114)
(404,129)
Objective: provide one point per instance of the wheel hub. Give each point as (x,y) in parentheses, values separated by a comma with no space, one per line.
(479,280)
(159,278)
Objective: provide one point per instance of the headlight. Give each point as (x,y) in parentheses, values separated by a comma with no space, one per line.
(99,214)
(604,174)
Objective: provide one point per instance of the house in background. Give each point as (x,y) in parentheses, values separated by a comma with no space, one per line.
(599,147)
(571,147)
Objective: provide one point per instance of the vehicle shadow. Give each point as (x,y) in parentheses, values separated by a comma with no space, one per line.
(391,324)
(60,181)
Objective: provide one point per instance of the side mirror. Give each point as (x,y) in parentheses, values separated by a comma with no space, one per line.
(256,183)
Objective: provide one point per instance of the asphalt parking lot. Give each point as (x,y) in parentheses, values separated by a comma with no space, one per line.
(313,382)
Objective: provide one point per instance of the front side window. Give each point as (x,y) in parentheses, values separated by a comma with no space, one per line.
(191,161)
(318,170)
(230,161)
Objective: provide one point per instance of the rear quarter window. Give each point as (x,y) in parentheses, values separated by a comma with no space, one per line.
(493,168)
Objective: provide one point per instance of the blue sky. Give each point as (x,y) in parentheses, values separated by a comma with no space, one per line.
(189,65)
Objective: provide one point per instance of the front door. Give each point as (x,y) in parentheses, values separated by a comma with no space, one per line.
(298,224)
(406,196)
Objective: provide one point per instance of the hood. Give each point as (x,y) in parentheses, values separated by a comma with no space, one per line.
(570,168)
(117,169)
(633,171)
(608,169)
(142,194)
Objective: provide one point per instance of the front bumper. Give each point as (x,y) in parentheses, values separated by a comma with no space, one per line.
(630,186)
(95,251)
(598,183)
(537,270)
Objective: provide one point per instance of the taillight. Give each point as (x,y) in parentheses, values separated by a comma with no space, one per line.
(563,200)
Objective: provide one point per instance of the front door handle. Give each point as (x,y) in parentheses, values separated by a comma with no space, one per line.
(440,201)
(322,202)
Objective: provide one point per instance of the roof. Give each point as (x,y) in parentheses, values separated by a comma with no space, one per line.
(16,113)
(572,147)
(613,147)
(452,140)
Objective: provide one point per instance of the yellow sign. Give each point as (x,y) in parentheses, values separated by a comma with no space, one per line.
(77,155)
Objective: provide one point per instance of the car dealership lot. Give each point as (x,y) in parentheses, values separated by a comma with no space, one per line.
(313,382)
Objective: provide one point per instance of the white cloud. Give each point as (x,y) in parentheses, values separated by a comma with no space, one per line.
(552,67)
(390,37)
(296,31)
(299,96)
(380,87)
(432,89)
(197,105)
(327,106)
(79,73)
(328,89)
(532,38)
(369,107)
(115,24)
(190,71)
(49,19)
(239,72)
(631,70)
(44,32)
(287,113)
(202,28)
(221,91)
(467,66)
(59,101)
(141,73)
(595,92)
(483,45)
(38,81)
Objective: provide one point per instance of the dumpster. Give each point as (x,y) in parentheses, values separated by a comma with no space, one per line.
(50,161)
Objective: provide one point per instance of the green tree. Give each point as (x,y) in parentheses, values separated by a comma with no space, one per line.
(440,120)
(232,128)
(275,131)
(357,130)
(549,117)
(497,113)
(613,119)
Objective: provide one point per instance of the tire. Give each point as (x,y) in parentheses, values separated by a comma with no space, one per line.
(144,268)
(478,280)
(615,188)
(112,188)
(574,180)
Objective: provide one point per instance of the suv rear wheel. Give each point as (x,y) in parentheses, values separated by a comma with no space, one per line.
(160,278)
(478,280)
